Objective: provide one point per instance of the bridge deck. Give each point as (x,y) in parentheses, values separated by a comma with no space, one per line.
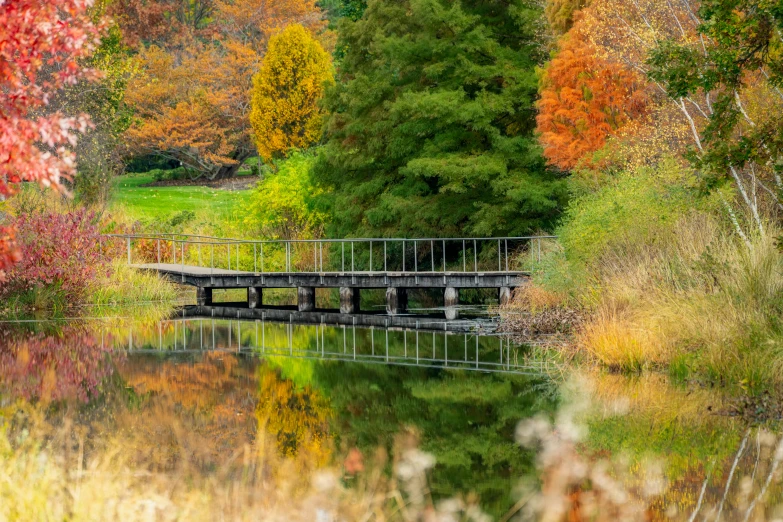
(206,277)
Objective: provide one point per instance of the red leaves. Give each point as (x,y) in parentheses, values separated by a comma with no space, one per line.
(57,249)
(584,100)
(37,36)
(71,365)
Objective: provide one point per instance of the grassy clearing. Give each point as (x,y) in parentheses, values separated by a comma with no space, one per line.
(136,201)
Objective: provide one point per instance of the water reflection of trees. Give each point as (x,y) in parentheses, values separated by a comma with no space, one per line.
(188,411)
(69,364)
(465,420)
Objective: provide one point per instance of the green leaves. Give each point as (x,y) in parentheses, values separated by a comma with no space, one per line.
(431,122)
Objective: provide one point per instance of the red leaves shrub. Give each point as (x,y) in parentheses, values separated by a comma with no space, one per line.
(57,250)
(36,35)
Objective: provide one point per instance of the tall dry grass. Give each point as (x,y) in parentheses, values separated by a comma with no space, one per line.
(696,296)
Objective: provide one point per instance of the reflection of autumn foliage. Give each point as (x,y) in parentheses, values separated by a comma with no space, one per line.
(192,412)
(297,417)
(70,365)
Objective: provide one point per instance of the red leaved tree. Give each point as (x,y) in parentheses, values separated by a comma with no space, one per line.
(584,99)
(41,43)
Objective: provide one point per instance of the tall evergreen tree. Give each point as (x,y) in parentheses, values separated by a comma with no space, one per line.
(432,120)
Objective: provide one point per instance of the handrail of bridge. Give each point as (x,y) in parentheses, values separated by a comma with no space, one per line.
(285,256)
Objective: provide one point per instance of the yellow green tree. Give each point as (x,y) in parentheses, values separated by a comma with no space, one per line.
(286,90)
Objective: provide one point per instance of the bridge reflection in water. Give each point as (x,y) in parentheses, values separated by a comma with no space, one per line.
(428,343)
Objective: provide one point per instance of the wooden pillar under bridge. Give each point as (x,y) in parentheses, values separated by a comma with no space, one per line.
(451,301)
(203,296)
(349,300)
(254,297)
(396,300)
(504,295)
(305,298)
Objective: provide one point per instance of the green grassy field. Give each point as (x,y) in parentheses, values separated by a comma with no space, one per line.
(140,202)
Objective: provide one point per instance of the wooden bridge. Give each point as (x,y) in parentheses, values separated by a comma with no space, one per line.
(397,265)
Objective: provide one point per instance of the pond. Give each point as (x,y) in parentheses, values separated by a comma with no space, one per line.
(189,392)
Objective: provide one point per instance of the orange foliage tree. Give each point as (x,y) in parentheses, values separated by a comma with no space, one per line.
(286,91)
(192,98)
(584,99)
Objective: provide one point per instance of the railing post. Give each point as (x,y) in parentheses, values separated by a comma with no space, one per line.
(384,256)
(129,249)
(321,253)
(315,257)
(255,259)
(352,265)
(444,255)
(370,256)
(342,249)
(499,264)
(432,256)
(415,256)
(403,255)
(505,241)
(464,254)
(182,260)
(212,258)
(475,257)
(262,257)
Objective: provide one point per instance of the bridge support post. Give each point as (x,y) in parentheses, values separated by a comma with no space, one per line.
(203,296)
(349,300)
(504,295)
(306,298)
(254,297)
(451,301)
(396,300)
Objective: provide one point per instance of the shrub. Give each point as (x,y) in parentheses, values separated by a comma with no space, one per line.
(59,251)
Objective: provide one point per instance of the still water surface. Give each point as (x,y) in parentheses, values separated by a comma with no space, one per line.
(185,391)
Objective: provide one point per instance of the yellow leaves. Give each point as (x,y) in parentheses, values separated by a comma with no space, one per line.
(286,91)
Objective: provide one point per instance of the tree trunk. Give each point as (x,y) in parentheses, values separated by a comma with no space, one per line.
(228,171)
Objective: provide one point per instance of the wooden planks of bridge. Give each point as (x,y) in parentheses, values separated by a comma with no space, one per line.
(207,279)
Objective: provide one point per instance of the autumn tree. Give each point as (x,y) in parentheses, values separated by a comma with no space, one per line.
(584,99)
(738,63)
(560,14)
(647,36)
(41,45)
(286,92)
(192,96)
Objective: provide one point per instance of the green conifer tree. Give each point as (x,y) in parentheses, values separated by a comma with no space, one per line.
(431,126)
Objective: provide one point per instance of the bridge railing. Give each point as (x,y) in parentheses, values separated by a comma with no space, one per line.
(350,255)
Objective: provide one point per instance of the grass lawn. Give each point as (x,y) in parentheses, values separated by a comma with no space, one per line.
(140,202)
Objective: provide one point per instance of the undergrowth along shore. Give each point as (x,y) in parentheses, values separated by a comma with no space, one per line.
(696,303)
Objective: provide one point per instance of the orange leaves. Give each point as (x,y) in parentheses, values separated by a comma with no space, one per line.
(286,92)
(584,100)
(193,96)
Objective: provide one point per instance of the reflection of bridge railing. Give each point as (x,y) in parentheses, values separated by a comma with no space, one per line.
(351,255)
(400,347)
